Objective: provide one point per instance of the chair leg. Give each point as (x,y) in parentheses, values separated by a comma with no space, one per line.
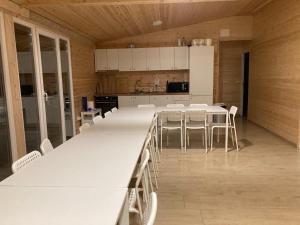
(232,138)
(236,140)
(188,135)
(211,139)
(167,138)
(203,139)
(150,179)
(185,137)
(161,135)
(218,139)
(205,135)
(181,139)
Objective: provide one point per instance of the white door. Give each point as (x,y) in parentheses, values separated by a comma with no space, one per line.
(181,58)
(153,59)
(139,59)
(125,59)
(112,59)
(101,59)
(201,70)
(166,58)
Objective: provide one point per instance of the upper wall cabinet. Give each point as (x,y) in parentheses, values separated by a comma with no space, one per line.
(101,59)
(181,59)
(166,58)
(125,59)
(153,59)
(142,59)
(112,59)
(139,59)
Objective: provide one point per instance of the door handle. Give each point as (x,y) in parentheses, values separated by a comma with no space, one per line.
(46,96)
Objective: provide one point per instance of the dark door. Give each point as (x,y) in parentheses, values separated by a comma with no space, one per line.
(246,83)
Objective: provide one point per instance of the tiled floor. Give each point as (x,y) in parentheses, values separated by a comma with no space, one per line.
(260,185)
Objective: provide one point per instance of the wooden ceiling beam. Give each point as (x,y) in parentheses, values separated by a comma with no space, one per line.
(31,3)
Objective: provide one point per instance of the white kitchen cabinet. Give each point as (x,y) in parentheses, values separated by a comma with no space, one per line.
(112,59)
(161,100)
(125,59)
(125,101)
(139,59)
(153,59)
(181,99)
(166,58)
(101,59)
(181,58)
(201,70)
(140,100)
(201,99)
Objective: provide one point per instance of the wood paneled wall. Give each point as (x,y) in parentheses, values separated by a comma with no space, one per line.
(231,71)
(274,69)
(240,28)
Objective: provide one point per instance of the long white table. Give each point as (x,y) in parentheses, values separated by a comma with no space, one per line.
(103,157)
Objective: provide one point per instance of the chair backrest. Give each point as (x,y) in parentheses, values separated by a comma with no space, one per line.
(195,115)
(198,105)
(233,111)
(175,106)
(107,114)
(46,146)
(84,127)
(171,116)
(97,119)
(25,160)
(151,210)
(114,109)
(146,106)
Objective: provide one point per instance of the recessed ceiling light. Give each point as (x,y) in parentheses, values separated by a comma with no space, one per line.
(157,23)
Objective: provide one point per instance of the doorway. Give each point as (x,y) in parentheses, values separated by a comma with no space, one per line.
(246,59)
(46,84)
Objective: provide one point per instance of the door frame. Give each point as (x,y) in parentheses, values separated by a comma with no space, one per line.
(7,88)
(36,31)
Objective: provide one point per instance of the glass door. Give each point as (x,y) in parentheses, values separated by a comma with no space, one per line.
(51,88)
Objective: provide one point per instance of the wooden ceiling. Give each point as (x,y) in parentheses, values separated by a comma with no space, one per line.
(102,20)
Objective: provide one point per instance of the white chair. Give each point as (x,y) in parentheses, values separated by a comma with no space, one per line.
(175,106)
(151,210)
(231,126)
(114,109)
(198,105)
(146,106)
(46,146)
(195,119)
(25,160)
(84,127)
(153,157)
(171,120)
(141,184)
(107,114)
(97,119)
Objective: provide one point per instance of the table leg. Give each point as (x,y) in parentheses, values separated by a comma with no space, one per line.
(226,134)
(124,216)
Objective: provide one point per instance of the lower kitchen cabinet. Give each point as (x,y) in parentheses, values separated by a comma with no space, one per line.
(140,100)
(125,101)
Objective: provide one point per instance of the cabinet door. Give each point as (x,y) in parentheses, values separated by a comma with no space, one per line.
(153,61)
(125,59)
(125,101)
(181,58)
(166,58)
(161,100)
(100,59)
(181,99)
(140,100)
(139,59)
(201,70)
(112,59)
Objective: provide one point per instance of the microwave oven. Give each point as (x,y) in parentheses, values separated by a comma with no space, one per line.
(173,87)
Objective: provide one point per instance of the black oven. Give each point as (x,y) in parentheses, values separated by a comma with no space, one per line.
(173,87)
(106,103)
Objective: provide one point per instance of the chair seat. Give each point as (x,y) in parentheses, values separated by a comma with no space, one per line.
(171,125)
(195,125)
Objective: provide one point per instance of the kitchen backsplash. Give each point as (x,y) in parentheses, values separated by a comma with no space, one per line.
(130,82)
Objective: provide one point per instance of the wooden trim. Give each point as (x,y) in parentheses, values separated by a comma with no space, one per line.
(29,3)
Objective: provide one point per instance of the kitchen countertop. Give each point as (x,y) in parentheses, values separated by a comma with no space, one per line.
(144,94)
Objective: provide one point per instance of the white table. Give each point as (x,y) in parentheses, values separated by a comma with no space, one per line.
(103,157)
(63,206)
(213,110)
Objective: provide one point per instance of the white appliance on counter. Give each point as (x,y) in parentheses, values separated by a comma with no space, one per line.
(201,74)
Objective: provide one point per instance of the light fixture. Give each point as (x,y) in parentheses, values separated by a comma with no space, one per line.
(157,23)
